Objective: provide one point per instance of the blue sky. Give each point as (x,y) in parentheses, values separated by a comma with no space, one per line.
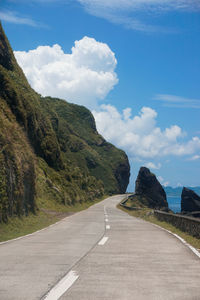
(134,63)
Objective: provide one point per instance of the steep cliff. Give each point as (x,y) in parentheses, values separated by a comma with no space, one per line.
(49,149)
(149,190)
(190,201)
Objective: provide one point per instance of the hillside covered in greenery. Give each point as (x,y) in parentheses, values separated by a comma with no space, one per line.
(49,149)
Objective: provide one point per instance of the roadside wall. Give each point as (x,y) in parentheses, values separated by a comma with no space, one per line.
(186,224)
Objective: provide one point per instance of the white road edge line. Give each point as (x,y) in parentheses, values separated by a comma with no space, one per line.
(30,234)
(62,286)
(181,239)
(40,230)
(184,242)
(195,251)
(107,226)
(103,241)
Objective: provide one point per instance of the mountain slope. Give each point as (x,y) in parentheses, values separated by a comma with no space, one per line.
(49,149)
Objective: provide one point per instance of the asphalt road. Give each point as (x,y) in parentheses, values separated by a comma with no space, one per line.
(101,253)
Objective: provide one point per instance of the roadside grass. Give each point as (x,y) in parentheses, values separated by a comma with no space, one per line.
(147,215)
(47,205)
(136,203)
(17,227)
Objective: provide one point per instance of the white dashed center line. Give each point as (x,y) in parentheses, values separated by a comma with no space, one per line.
(107,226)
(62,286)
(103,241)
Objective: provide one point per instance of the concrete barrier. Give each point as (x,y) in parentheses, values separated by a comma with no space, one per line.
(186,224)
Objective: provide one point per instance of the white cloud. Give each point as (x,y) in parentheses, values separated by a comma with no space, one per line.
(152,165)
(121,18)
(39,1)
(127,113)
(84,77)
(140,137)
(144,4)
(13,17)
(177,101)
(160,178)
(123,12)
(130,13)
(127,4)
(131,4)
(195,157)
(162,181)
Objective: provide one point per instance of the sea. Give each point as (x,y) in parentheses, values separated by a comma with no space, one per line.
(174,203)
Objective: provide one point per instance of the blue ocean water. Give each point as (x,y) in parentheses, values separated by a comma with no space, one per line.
(174,203)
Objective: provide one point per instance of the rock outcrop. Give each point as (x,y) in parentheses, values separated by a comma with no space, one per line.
(190,201)
(43,140)
(149,190)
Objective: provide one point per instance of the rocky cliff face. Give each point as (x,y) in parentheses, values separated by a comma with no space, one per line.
(190,201)
(149,190)
(50,150)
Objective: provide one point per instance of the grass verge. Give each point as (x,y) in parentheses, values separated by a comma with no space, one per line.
(147,215)
(17,227)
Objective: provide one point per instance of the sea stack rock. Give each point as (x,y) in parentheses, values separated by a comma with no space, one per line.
(190,201)
(150,191)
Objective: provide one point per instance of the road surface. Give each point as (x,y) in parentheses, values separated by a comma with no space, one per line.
(100,253)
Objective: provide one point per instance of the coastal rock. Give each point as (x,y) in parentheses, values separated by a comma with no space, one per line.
(149,190)
(190,201)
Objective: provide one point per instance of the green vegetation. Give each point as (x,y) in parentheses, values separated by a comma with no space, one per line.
(51,155)
(16,227)
(136,201)
(147,215)
(19,226)
(17,172)
(81,145)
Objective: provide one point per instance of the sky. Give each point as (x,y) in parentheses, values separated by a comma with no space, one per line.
(134,63)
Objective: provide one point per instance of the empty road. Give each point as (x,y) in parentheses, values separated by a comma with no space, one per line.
(100,253)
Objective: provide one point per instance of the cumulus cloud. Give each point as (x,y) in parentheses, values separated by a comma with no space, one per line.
(139,135)
(84,76)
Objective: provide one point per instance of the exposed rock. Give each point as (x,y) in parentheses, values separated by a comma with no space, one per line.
(149,190)
(122,174)
(6,57)
(190,201)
